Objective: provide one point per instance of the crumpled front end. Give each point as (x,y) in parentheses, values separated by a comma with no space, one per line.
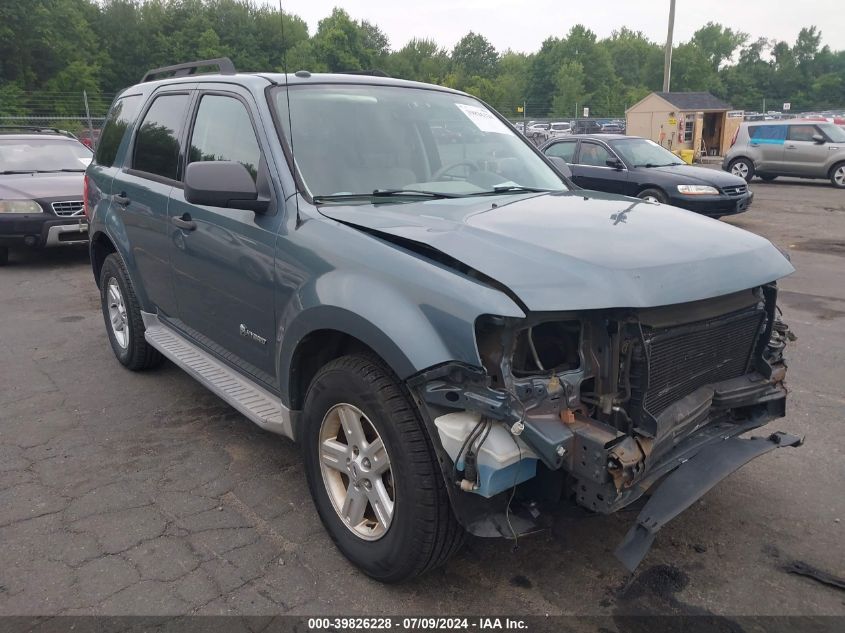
(599,406)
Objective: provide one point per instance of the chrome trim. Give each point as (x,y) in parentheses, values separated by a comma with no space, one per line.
(54,231)
(68,208)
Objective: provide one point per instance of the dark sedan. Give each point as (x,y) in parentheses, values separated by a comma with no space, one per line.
(638,167)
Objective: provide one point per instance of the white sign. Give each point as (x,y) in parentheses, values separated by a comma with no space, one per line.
(786,106)
(483,119)
(736,114)
(586,112)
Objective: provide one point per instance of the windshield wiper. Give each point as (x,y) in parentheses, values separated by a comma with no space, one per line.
(510,189)
(18,171)
(395,194)
(661,165)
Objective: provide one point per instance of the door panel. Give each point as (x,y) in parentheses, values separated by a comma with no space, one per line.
(591,171)
(765,144)
(802,156)
(223,268)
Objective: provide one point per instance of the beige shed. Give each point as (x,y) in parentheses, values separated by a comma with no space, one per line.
(685,120)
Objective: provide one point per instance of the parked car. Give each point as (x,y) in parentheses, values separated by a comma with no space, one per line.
(637,167)
(539,132)
(586,126)
(41,189)
(612,128)
(562,128)
(804,149)
(450,340)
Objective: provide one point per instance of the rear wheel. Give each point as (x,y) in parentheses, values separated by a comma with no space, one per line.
(122,315)
(743,168)
(652,195)
(372,472)
(837,175)
(4,255)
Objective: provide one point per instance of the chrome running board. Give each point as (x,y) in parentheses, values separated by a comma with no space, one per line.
(256,403)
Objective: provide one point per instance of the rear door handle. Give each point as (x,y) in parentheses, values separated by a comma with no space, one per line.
(754,144)
(185,222)
(122,199)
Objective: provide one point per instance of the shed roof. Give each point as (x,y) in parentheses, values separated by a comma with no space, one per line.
(694,100)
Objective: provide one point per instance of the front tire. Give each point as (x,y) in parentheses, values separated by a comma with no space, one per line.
(743,168)
(652,195)
(122,315)
(373,474)
(837,175)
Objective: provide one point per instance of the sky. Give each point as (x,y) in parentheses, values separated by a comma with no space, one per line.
(522,26)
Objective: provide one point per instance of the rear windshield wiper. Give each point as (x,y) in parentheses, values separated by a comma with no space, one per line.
(395,194)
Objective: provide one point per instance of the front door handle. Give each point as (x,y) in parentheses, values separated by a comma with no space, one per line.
(122,199)
(791,147)
(185,222)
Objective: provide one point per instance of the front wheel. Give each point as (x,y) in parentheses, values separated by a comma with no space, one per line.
(837,176)
(652,195)
(373,474)
(743,168)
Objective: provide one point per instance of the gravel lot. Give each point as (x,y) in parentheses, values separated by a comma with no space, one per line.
(131,494)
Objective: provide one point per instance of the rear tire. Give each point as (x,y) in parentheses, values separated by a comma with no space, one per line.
(122,315)
(353,405)
(743,168)
(652,195)
(4,255)
(837,175)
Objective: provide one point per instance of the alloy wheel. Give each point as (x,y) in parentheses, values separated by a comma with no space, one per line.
(117,313)
(356,471)
(740,169)
(839,176)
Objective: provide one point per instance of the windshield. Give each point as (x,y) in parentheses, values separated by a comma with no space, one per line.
(42,154)
(355,140)
(641,152)
(835,133)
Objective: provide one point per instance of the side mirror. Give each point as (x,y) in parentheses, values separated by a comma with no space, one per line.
(561,166)
(222,183)
(614,162)
(818,138)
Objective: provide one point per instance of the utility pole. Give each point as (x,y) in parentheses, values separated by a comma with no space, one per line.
(88,116)
(667,59)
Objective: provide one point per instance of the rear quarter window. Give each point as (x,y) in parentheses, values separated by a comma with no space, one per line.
(121,117)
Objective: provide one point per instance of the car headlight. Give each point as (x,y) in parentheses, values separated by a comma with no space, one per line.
(698,190)
(20,206)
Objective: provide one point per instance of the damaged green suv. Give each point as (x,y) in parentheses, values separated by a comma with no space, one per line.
(456,335)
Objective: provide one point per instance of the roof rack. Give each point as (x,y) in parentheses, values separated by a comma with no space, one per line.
(224,67)
(37,129)
(371,73)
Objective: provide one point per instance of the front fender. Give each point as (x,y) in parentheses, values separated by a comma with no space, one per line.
(411,327)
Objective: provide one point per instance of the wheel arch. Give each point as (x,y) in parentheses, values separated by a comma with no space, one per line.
(101,247)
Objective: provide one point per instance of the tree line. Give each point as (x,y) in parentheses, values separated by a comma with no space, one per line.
(53,49)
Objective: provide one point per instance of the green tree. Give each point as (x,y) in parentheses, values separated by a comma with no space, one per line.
(474,56)
(718,43)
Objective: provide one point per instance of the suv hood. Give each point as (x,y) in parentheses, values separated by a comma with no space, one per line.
(692,175)
(38,186)
(580,250)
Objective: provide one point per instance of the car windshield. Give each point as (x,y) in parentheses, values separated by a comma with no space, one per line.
(42,155)
(354,140)
(641,152)
(834,132)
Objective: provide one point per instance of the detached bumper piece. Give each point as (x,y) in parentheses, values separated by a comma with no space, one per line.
(688,483)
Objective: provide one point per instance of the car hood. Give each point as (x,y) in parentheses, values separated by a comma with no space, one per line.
(692,175)
(579,250)
(41,186)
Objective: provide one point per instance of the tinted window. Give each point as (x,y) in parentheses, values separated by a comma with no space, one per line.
(767,133)
(802,132)
(223,131)
(593,154)
(566,151)
(121,116)
(157,141)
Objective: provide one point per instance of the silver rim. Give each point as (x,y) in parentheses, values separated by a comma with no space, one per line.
(117,313)
(839,176)
(740,169)
(650,199)
(356,472)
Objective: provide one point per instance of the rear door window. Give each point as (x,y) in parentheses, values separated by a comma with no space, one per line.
(767,133)
(157,144)
(121,117)
(566,151)
(223,131)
